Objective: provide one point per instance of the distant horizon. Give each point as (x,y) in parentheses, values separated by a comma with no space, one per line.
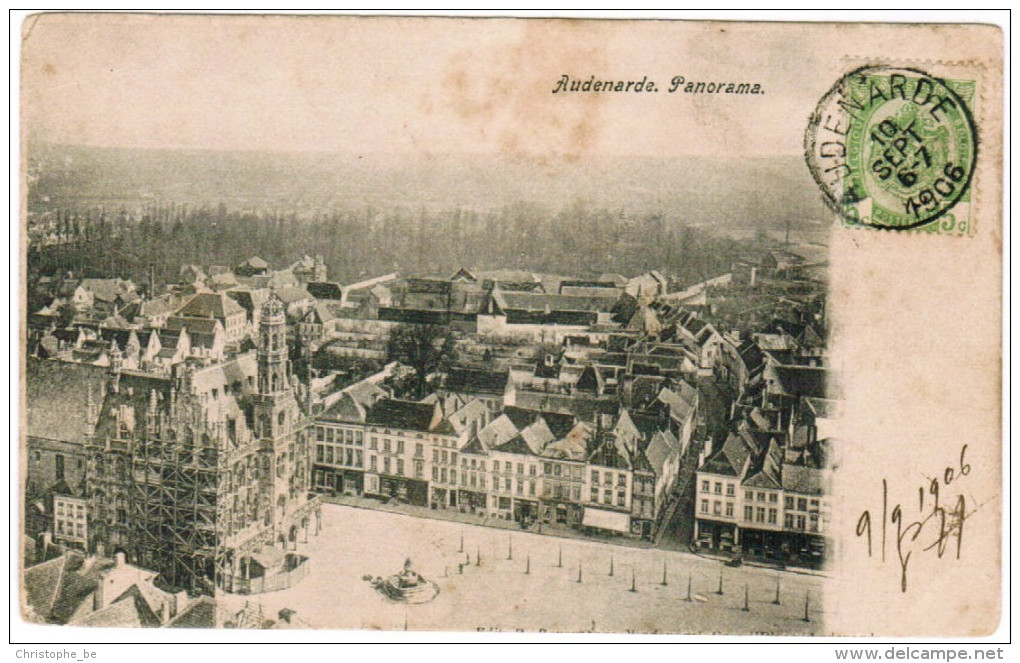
(567,159)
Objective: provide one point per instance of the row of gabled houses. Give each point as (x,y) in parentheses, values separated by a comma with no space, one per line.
(765,490)
(465,448)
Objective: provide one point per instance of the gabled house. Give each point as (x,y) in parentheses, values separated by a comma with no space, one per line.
(253,266)
(218,306)
(206,337)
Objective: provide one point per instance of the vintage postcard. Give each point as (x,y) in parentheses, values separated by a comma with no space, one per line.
(496,324)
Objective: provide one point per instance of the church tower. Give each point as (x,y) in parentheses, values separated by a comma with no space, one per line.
(280,424)
(274,367)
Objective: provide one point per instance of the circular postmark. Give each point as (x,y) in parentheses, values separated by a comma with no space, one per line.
(892,147)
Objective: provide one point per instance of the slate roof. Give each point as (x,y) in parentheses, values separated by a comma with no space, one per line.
(752,356)
(803,480)
(527,301)
(407,415)
(476,381)
(130,609)
(210,305)
(42,583)
(194,325)
(498,431)
(662,445)
(293,294)
(56,397)
(199,614)
(162,305)
(517,445)
(256,263)
(803,381)
(106,290)
(730,458)
(324,290)
(572,446)
(766,470)
(824,408)
(474,446)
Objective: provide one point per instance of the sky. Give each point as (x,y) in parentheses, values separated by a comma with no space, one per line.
(357,85)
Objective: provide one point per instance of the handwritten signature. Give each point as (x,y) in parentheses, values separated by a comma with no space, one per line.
(938,523)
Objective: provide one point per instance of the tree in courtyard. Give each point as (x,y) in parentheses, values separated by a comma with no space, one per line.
(425,348)
(66,313)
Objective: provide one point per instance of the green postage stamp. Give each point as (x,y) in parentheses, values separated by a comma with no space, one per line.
(895,148)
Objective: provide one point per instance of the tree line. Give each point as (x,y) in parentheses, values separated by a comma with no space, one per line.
(360,243)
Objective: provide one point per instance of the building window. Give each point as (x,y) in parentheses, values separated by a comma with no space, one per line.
(772,516)
(320,433)
(788,501)
(506,484)
(320,453)
(453,476)
(704,506)
(760,513)
(520,487)
(520,468)
(749,495)
(531,470)
(704,486)
(594,494)
(373,443)
(400,446)
(594,477)
(729,509)
(400,466)
(531,488)
(419,450)
(761,497)
(435,455)
(435,473)
(716,508)
(718,488)
(372,463)
(577,493)
(773,498)
(358,459)
(59,458)
(801,504)
(386,447)
(800,522)
(495,466)
(621,498)
(788,521)
(748,513)
(730,490)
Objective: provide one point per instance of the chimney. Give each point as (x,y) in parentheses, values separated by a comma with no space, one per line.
(120,560)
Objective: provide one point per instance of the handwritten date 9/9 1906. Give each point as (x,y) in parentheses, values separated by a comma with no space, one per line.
(939,519)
